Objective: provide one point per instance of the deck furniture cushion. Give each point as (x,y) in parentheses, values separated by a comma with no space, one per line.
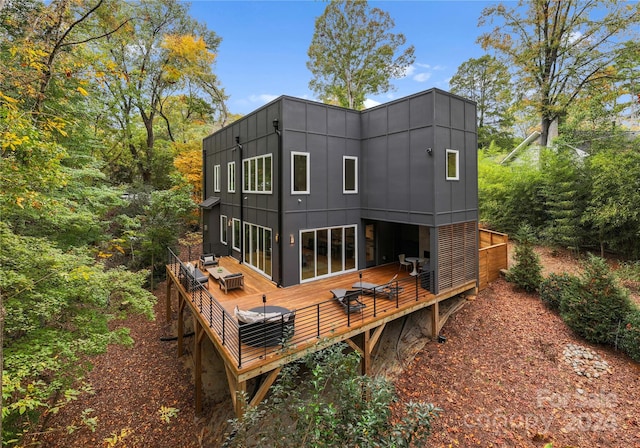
(190,272)
(265,326)
(208,260)
(348,299)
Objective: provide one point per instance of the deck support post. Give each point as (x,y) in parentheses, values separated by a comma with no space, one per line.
(435,320)
(265,386)
(238,391)
(181,303)
(199,334)
(366,355)
(168,298)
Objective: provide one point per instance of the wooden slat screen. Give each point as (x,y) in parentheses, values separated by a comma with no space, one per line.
(457,254)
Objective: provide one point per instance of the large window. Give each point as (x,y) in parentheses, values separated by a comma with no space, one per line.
(257,174)
(349,175)
(223,229)
(299,172)
(326,252)
(257,247)
(231,177)
(216,178)
(452,165)
(236,234)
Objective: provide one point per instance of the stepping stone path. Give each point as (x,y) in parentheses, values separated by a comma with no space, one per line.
(585,362)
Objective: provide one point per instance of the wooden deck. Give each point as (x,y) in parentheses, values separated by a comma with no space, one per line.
(320,321)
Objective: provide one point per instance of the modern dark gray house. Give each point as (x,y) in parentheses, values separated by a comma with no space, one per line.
(300,190)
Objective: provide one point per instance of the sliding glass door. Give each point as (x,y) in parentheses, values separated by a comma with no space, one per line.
(257,247)
(327,251)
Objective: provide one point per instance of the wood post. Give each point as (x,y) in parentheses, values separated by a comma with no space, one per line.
(435,320)
(181,303)
(168,297)
(199,334)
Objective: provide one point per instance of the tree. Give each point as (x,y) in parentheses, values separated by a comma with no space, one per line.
(526,272)
(558,47)
(486,81)
(162,51)
(354,54)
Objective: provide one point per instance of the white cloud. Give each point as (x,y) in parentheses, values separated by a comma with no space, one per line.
(410,70)
(431,67)
(370,103)
(422,77)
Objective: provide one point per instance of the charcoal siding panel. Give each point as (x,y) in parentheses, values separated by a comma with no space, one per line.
(398,114)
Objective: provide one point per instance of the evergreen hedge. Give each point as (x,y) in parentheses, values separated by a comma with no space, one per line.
(598,311)
(556,287)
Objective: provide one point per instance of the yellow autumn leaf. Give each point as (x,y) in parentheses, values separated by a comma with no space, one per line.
(19,202)
(82,91)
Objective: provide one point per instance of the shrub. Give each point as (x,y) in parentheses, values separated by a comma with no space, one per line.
(598,311)
(630,338)
(556,287)
(323,401)
(526,273)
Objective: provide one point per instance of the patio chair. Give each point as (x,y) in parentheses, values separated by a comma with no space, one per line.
(348,299)
(231,281)
(207,260)
(403,263)
(388,290)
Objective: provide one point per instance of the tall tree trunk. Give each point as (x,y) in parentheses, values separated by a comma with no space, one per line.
(544,132)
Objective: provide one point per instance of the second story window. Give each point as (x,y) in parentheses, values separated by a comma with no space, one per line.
(453,167)
(256,172)
(216,178)
(231,177)
(349,175)
(299,172)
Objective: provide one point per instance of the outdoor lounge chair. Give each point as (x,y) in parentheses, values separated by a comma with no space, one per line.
(207,260)
(231,281)
(388,290)
(348,299)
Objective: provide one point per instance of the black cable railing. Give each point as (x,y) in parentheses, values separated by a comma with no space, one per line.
(273,333)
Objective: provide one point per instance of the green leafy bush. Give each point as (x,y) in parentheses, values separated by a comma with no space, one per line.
(526,273)
(598,311)
(630,338)
(325,402)
(556,287)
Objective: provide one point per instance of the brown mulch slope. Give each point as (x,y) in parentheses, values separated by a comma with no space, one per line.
(131,385)
(500,379)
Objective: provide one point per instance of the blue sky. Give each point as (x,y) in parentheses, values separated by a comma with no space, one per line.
(264,46)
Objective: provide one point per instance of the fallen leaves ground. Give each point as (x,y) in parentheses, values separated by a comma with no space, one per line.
(500,379)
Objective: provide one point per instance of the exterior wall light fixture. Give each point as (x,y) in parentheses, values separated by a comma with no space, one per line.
(292,241)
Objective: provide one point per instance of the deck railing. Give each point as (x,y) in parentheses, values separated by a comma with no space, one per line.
(249,342)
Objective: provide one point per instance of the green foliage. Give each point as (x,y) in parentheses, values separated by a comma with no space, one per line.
(526,272)
(509,195)
(630,339)
(354,54)
(557,288)
(325,403)
(613,210)
(565,191)
(57,305)
(164,219)
(598,312)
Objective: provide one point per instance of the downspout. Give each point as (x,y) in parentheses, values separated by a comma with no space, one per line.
(241,165)
(204,196)
(280,194)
